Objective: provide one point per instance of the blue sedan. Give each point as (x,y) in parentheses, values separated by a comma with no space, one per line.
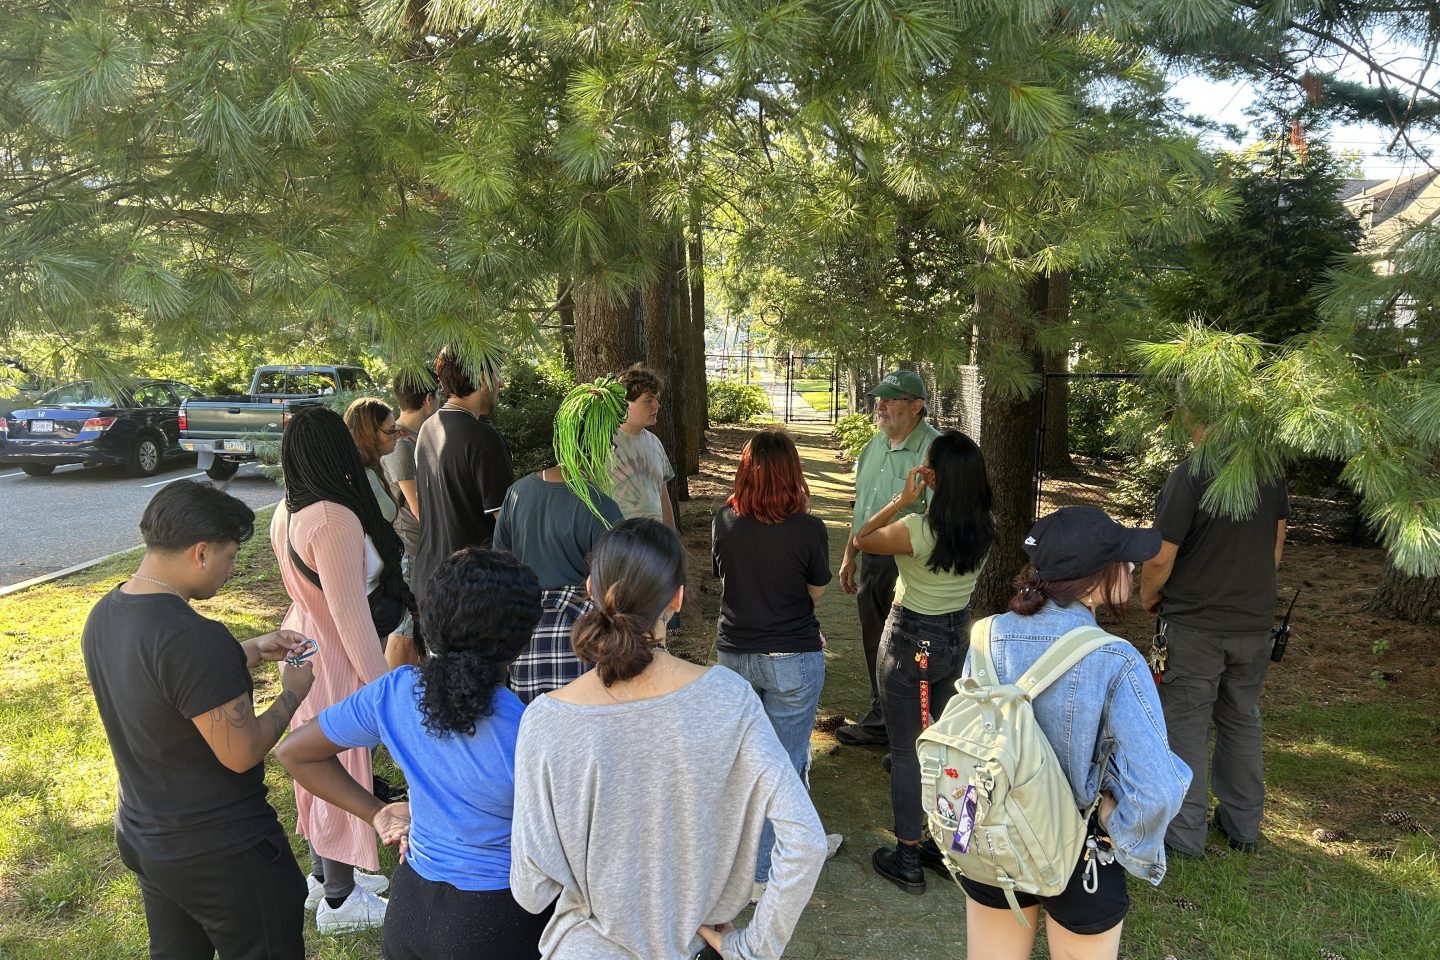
(138,429)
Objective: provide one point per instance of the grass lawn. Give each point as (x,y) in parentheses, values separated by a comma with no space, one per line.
(817,394)
(1342,748)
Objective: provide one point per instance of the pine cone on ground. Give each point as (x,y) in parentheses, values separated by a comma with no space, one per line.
(1190,906)
(1327,954)
(1402,819)
(1380,853)
(1325,835)
(825,722)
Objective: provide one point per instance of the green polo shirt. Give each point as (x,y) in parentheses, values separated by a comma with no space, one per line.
(881,471)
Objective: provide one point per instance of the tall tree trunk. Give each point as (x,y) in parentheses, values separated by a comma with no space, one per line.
(607,333)
(664,355)
(1056,449)
(565,317)
(1007,438)
(698,408)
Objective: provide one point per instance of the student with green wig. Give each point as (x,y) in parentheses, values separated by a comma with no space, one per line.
(550,521)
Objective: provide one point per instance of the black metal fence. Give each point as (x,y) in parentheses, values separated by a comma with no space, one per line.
(792,381)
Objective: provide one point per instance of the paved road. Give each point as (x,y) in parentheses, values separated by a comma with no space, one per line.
(75,514)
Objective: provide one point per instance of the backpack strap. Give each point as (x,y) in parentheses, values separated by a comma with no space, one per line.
(982,664)
(1063,654)
(300,565)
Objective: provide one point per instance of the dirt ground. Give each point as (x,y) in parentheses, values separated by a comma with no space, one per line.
(1336,649)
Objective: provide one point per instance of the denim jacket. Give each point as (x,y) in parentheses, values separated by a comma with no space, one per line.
(1109,695)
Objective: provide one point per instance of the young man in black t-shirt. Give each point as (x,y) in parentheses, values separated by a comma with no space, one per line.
(462,467)
(175,695)
(1213,586)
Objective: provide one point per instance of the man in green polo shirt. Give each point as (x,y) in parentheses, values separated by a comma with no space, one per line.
(880,473)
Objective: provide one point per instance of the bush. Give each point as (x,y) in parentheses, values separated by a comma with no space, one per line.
(854,430)
(525,414)
(736,402)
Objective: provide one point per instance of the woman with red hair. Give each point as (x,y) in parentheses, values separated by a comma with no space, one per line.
(773,558)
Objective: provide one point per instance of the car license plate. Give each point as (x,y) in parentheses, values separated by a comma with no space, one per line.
(42,426)
(237,446)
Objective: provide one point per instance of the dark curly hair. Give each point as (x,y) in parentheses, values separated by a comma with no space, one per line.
(478,612)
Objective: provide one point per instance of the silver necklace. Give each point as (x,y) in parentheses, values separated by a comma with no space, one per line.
(158,583)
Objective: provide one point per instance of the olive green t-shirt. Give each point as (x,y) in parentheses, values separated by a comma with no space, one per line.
(922,590)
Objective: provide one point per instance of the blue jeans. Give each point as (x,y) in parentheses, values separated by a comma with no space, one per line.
(788,685)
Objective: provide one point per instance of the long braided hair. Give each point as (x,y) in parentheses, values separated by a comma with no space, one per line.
(320,462)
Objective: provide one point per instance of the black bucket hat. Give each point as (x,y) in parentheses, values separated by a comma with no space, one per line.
(1074,542)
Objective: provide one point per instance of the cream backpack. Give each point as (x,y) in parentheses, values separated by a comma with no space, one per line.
(998,801)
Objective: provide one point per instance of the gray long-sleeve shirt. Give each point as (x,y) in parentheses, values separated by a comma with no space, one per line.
(644,819)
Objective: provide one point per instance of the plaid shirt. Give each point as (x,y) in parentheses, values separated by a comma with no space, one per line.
(549,663)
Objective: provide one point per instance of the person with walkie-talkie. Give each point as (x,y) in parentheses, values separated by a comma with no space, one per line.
(1212,588)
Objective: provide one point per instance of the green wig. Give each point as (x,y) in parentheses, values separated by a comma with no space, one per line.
(585,429)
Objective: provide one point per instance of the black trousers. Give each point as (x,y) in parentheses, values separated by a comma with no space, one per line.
(248,906)
(874,595)
(433,920)
(946,637)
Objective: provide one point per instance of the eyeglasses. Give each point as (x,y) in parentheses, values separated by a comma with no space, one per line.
(389,431)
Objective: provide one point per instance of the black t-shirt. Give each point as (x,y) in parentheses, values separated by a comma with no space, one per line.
(1224,573)
(764,607)
(154,665)
(462,469)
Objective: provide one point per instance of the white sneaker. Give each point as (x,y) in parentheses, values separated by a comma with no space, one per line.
(360,911)
(373,882)
(833,843)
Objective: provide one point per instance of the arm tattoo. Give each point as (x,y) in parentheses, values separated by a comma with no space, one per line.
(236,713)
(280,712)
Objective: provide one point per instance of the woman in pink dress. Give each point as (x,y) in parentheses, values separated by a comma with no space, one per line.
(330,530)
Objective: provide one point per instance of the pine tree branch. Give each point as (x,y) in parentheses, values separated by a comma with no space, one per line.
(1257,6)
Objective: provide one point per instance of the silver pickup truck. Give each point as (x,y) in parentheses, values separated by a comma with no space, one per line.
(223,431)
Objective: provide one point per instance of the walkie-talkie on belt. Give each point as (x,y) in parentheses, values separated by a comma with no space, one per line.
(1280,636)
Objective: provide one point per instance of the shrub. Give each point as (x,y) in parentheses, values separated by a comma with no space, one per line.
(854,430)
(732,402)
(525,414)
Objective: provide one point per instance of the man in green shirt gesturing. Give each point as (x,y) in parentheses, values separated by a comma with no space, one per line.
(880,473)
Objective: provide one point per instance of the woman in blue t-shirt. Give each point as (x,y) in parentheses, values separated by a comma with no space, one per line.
(938,555)
(450,725)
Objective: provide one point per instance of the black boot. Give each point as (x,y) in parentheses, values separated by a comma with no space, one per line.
(901,866)
(933,858)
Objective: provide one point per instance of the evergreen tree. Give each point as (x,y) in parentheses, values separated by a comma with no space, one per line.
(1259,272)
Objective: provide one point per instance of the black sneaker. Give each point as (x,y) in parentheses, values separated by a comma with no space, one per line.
(386,792)
(1240,846)
(853,735)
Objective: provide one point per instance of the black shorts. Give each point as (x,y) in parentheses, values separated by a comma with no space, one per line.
(1073,908)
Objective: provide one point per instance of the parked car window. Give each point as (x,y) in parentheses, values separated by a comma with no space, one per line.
(153,395)
(183,391)
(76,394)
(284,383)
(354,380)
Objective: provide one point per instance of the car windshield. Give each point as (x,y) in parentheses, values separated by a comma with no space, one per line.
(80,394)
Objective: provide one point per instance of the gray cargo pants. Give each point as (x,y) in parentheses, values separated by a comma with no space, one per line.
(1216,676)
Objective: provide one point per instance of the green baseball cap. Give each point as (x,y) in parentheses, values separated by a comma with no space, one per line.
(901,383)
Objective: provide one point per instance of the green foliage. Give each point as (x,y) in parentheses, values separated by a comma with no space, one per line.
(526,412)
(1259,273)
(854,430)
(731,402)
